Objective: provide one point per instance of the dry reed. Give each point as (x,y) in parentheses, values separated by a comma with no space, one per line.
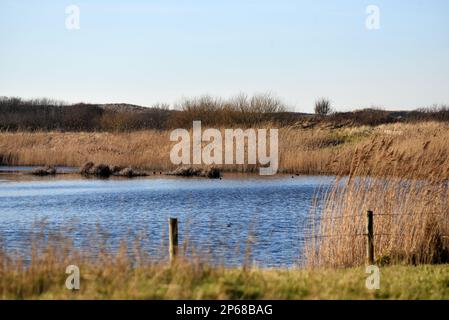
(302,151)
(406,186)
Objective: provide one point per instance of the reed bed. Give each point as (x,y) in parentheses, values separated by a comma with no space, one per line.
(303,151)
(405,184)
(319,150)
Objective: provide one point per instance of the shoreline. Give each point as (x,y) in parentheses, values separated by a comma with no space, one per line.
(225,175)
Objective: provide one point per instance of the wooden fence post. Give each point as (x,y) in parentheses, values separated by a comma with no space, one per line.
(173,237)
(369,238)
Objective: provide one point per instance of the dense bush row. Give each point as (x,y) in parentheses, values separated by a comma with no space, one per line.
(45,114)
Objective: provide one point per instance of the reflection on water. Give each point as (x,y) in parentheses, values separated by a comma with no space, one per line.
(221,217)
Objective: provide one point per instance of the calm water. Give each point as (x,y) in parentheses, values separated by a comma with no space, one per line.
(221,217)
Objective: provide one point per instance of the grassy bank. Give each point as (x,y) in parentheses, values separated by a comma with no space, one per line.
(317,150)
(196,281)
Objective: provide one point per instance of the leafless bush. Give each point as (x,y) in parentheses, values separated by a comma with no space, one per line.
(238,110)
(322,107)
(435,112)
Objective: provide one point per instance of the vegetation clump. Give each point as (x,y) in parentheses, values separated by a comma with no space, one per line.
(100,170)
(103,170)
(186,171)
(44,171)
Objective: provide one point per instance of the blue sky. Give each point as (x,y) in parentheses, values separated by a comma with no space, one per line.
(145,52)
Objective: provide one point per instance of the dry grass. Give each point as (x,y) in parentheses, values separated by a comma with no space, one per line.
(122,275)
(405,183)
(142,149)
(318,150)
(305,151)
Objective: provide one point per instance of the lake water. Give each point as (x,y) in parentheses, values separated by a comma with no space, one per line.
(223,218)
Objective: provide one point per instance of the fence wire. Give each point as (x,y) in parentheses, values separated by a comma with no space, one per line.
(342,236)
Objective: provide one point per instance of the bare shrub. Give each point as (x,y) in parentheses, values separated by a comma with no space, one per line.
(323,107)
(435,112)
(239,110)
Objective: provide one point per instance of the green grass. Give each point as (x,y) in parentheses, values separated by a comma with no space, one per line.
(198,281)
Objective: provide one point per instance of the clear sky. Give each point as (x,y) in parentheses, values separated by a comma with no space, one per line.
(144,52)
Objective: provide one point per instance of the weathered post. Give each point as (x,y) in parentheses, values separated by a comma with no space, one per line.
(369,238)
(173,237)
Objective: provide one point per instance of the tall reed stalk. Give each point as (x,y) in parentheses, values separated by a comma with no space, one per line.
(410,201)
